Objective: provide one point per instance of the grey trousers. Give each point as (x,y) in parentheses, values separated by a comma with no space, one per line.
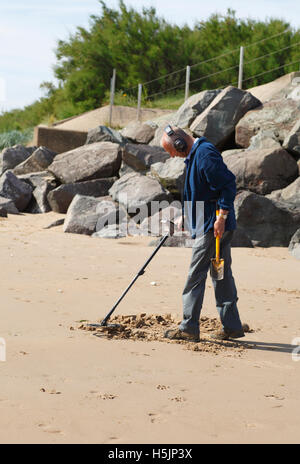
(225,290)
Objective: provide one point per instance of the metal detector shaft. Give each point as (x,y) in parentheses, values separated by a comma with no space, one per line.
(141,272)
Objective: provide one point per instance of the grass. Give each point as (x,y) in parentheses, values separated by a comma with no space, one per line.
(15,137)
(164,102)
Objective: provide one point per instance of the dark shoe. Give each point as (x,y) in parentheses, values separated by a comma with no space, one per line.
(176,334)
(227,334)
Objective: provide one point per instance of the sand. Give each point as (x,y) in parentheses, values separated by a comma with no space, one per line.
(62,384)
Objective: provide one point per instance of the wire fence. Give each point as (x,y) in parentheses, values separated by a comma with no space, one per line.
(186,84)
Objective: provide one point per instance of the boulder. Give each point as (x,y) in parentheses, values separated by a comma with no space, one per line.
(42,183)
(87,215)
(217,122)
(262,171)
(194,106)
(180,240)
(38,161)
(111,231)
(291,193)
(294,246)
(125,169)
(123,229)
(262,140)
(171,174)
(240,239)
(3,212)
(158,223)
(141,157)
(105,134)
(12,156)
(137,192)
(292,140)
(60,198)
(266,222)
(139,132)
(277,117)
(93,161)
(16,190)
(8,206)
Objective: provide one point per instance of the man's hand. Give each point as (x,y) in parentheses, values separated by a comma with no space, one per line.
(219,227)
(179,221)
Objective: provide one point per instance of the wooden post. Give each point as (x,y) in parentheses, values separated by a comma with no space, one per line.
(187,82)
(240,81)
(112,95)
(140,87)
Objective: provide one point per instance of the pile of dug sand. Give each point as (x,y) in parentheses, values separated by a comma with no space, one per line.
(152,327)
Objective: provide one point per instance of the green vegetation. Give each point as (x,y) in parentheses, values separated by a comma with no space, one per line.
(14,137)
(144,48)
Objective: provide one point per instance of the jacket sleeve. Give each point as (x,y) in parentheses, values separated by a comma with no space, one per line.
(220,179)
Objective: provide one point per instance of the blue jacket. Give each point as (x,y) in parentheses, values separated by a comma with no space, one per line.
(208,181)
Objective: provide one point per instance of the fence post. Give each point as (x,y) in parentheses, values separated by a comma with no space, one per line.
(187,82)
(138,116)
(240,81)
(112,95)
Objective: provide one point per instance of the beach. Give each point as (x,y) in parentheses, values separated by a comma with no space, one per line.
(61,384)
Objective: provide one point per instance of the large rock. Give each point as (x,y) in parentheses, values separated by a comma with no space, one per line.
(240,239)
(42,183)
(8,206)
(158,223)
(266,222)
(264,139)
(292,140)
(125,169)
(291,193)
(3,212)
(16,190)
(171,174)
(137,192)
(194,106)
(94,161)
(39,202)
(217,122)
(277,117)
(178,240)
(11,157)
(139,132)
(120,230)
(262,171)
(60,198)
(294,246)
(141,157)
(38,161)
(87,215)
(105,134)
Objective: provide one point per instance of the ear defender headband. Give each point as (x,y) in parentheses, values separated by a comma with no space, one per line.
(179,143)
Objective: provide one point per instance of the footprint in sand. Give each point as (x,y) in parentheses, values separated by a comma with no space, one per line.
(153,417)
(51,392)
(103,396)
(178,399)
(50,429)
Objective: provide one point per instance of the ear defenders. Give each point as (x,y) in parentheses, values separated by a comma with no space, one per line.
(179,143)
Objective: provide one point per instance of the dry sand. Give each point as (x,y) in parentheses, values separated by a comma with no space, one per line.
(60,384)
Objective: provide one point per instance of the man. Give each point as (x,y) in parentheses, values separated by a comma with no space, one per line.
(208,183)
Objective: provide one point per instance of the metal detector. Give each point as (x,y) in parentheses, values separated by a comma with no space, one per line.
(140,272)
